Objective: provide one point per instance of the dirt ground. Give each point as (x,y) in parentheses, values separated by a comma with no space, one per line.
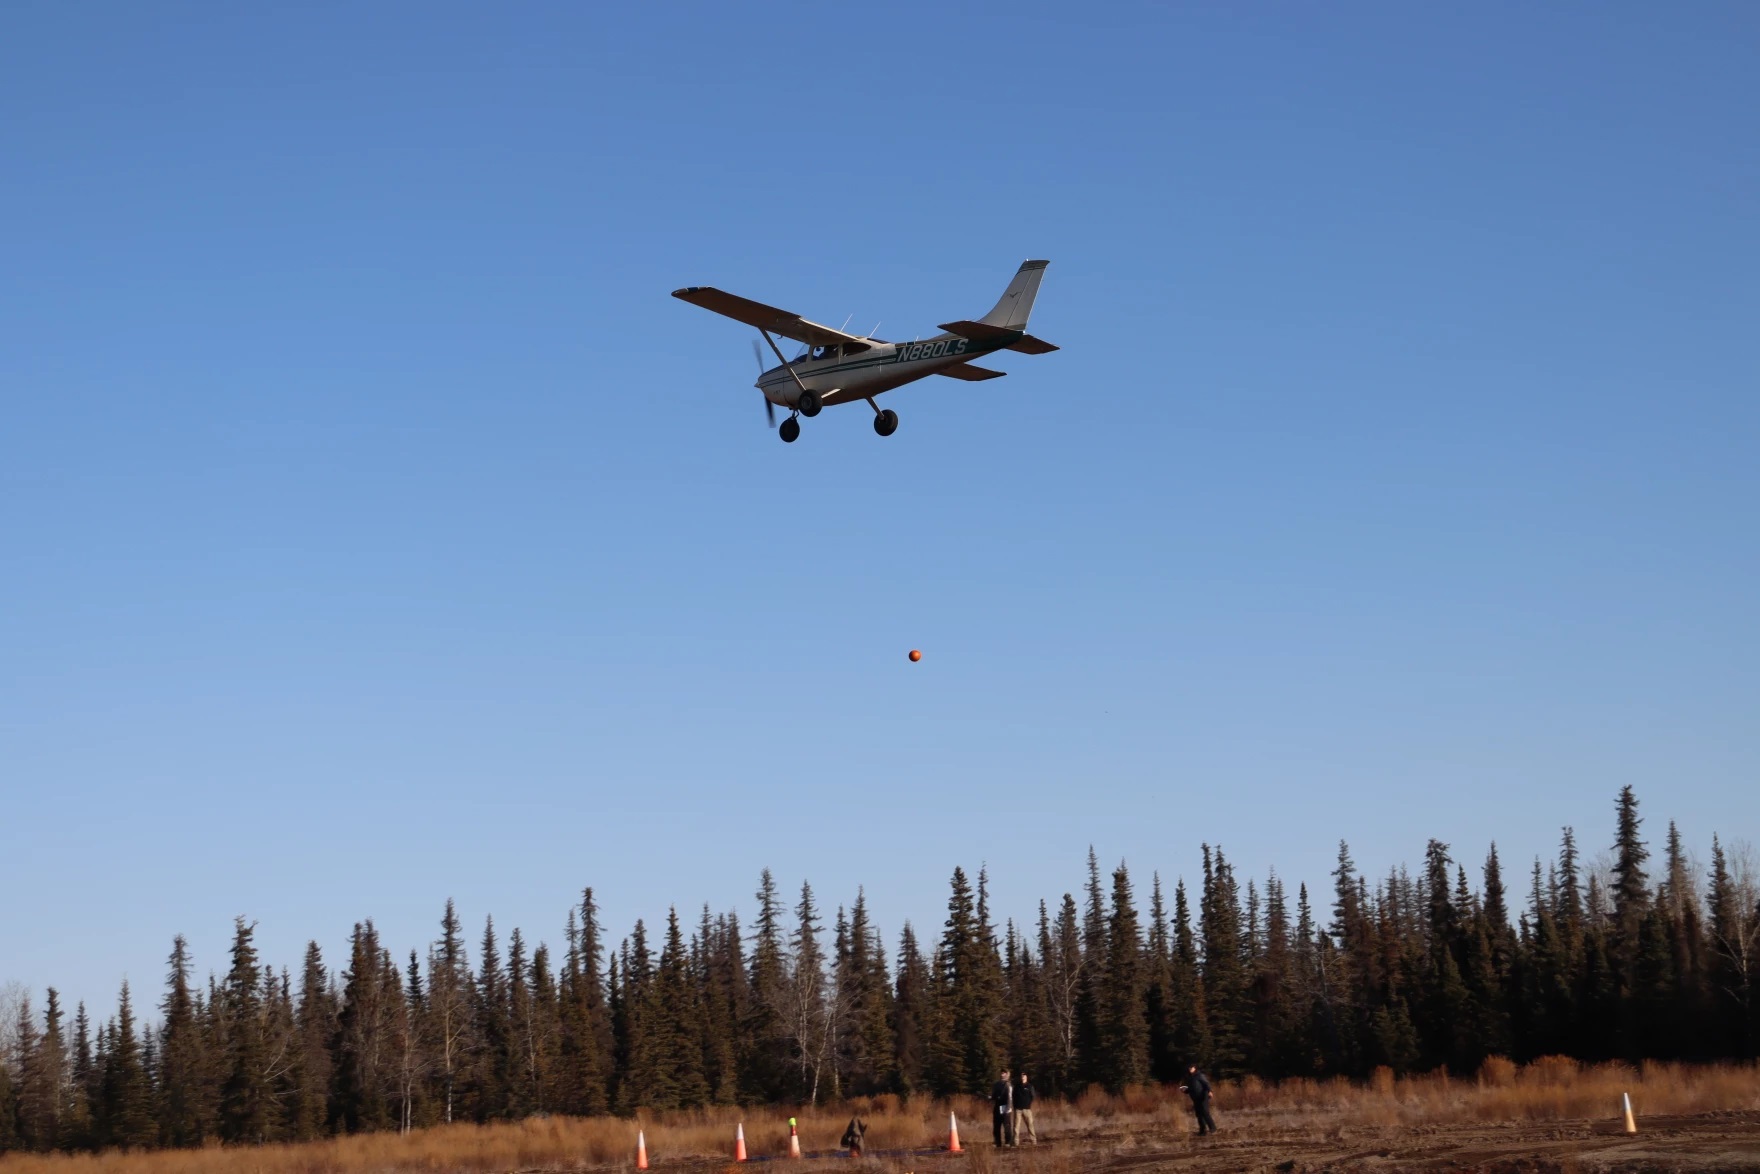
(1724,1141)
(1721,1141)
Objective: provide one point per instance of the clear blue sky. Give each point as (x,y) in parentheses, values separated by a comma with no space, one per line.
(376,528)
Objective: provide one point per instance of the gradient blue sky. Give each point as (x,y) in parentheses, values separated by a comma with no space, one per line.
(376,529)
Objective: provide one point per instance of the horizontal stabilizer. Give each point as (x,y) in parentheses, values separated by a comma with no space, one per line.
(978,330)
(1026,344)
(970,373)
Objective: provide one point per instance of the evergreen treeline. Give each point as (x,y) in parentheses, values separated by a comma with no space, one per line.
(1408,971)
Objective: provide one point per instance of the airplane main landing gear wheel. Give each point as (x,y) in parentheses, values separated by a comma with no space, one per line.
(886,423)
(810,404)
(790,430)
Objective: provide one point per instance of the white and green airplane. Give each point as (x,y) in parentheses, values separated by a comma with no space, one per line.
(839,368)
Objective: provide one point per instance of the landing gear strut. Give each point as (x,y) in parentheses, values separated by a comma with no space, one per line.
(790,430)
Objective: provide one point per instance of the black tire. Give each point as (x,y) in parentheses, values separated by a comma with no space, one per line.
(886,423)
(810,404)
(789,430)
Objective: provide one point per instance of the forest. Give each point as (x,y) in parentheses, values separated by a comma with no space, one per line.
(1636,957)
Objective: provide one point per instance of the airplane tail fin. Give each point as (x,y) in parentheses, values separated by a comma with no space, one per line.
(1017,300)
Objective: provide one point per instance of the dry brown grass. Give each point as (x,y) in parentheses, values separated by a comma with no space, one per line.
(1553,1088)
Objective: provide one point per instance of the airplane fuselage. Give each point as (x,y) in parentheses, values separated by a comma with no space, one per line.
(854,371)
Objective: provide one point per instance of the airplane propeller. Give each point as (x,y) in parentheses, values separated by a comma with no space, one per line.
(769,408)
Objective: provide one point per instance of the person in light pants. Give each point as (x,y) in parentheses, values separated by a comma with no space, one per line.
(1023,1111)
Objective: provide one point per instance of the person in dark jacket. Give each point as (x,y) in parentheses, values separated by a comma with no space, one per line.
(1001,1102)
(852,1137)
(1023,1110)
(1198,1088)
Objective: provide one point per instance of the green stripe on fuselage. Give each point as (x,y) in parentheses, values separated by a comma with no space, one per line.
(973,348)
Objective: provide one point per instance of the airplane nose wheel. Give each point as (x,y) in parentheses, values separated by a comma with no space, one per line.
(790,430)
(886,423)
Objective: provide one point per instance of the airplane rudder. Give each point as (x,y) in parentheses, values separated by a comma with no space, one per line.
(1016,304)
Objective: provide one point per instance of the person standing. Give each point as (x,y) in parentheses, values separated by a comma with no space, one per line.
(1022,1117)
(1198,1088)
(1001,1102)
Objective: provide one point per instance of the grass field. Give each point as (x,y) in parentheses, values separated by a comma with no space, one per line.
(1690,1117)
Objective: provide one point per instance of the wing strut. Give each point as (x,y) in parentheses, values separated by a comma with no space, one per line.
(783,361)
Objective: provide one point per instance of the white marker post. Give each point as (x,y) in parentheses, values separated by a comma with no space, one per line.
(1631,1123)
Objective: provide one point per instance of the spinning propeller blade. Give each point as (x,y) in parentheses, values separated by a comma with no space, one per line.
(769,408)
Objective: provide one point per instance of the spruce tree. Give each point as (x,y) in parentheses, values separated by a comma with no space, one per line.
(128,1094)
(362,1051)
(82,1126)
(1444,1011)
(764,1063)
(1060,949)
(1191,1012)
(493,1060)
(1312,1033)
(639,1082)
(451,995)
(617,1014)
(1158,998)
(911,1012)
(863,986)
(244,1095)
(315,1029)
(183,1120)
(586,1028)
(989,993)
(1631,884)
(1225,987)
(675,1027)
(1684,924)
(725,1006)
(411,1038)
(521,1067)
(1123,1030)
(805,1021)
(1631,905)
(1272,987)
(37,1127)
(962,1051)
(1655,996)
(1090,1063)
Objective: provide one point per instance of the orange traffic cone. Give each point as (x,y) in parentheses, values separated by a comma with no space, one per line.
(794,1140)
(1631,1124)
(952,1134)
(641,1150)
(739,1142)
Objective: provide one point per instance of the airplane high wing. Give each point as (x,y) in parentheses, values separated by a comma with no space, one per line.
(764,317)
(838,368)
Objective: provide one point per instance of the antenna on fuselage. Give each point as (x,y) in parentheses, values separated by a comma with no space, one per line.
(844,329)
(874,333)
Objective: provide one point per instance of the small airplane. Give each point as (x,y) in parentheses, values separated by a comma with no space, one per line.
(839,368)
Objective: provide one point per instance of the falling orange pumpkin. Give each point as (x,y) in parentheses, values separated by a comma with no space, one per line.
(915,656)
